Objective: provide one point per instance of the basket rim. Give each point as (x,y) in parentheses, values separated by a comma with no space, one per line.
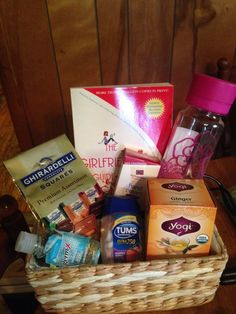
(222,256)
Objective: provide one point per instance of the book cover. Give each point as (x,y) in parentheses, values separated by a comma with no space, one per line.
(108,119)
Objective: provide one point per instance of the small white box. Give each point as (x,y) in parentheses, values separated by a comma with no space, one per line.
(136,168)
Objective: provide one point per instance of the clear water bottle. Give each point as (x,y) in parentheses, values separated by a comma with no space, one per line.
(197,128)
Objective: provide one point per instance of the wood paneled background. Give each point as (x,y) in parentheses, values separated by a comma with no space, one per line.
(49,46)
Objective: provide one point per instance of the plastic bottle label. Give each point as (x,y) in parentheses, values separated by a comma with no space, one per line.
(70,249)
(126,239)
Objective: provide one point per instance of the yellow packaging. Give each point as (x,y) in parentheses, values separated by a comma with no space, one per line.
(181,218)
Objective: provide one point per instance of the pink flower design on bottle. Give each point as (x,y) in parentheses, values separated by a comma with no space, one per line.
(178,154)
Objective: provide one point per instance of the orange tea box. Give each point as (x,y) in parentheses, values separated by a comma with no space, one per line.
(181,218)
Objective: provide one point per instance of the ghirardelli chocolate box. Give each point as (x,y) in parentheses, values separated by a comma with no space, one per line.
(180,219)
(56,183)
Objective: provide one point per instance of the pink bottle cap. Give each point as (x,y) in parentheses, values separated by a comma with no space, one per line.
(211,94)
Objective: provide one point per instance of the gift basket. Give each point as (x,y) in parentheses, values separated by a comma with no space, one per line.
(131,287)
(124,230)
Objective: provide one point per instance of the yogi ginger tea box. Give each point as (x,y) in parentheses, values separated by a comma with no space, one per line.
(107,119)
(181,218)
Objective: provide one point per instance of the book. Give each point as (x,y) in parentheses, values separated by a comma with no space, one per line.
(106,119)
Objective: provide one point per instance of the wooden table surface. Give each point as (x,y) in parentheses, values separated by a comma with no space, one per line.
(224,302)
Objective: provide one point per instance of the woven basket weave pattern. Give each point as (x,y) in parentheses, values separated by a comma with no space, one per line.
(131,287)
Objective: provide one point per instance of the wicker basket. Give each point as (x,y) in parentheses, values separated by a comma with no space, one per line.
(163,284)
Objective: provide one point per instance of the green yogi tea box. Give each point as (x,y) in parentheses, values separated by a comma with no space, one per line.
(52,174)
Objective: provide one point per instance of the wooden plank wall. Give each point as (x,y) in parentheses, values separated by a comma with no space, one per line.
(48,46)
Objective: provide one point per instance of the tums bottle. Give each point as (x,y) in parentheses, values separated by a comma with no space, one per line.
(121,230)
(197,128)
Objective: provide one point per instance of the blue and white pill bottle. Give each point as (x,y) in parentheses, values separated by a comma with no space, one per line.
(121,230)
